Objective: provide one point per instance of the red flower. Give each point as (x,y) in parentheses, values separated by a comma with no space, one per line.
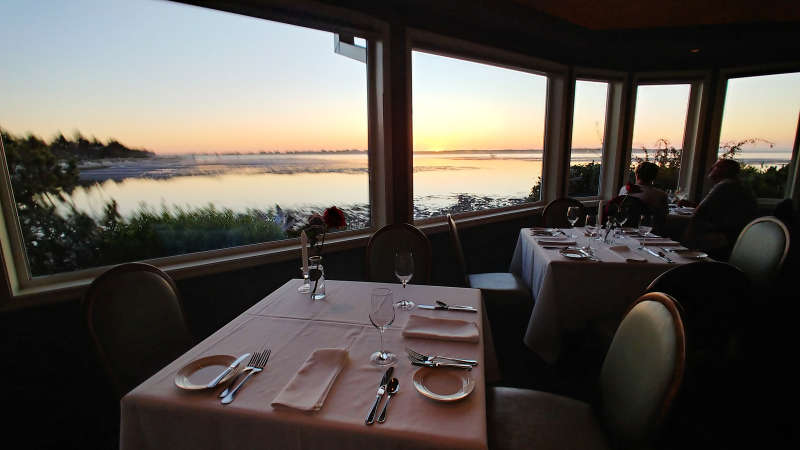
(334,218)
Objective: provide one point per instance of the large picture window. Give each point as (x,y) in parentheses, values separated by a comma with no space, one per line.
(658,131)
(588,138)
(759,125)
(137,129)
(478,135)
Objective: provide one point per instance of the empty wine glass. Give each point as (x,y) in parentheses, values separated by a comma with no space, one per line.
(382,314)
(589,225)
(404,271)
(671,196)
(645,224)
(573,215)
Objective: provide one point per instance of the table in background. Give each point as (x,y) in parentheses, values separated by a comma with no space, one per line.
(677,221)
(158,415)
(577,296)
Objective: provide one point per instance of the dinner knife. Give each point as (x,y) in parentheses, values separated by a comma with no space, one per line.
(662,256)
(449,308)
(227,370)
(381,390)
(441,364)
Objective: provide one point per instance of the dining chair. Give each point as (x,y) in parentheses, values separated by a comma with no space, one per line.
(639,379)
(506,298)
(554,214)
(384,243)
(630,208)
(761,249)
(720,324)
(136,322)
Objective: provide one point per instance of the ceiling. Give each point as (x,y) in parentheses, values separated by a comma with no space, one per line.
(639,14)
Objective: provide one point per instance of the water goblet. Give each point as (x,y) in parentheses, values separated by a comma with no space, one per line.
(573,215)
(404,271)
(589,225)
(645,224)
(382,314)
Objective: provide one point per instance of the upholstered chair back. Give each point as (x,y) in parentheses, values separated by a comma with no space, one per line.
(383,245)
(761,249)
(555,213)
(642,370)
(136,320)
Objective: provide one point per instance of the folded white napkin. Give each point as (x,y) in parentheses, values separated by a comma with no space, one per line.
(555,241)
(625,252)
(437,328)
(309,387)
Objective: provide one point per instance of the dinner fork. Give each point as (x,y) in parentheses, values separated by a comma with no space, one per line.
(227,389)
(253,367)
(426,358)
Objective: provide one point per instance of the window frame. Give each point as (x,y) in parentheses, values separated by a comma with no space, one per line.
(697,104)
(612,129)
(792,189)
(557,76)
(24,290)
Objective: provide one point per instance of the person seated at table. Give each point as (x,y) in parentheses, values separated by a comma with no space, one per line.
(721,215)
(653,198)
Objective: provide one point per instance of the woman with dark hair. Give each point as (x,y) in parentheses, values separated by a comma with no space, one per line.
(655,199)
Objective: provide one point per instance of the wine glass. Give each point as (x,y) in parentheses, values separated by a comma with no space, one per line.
(381,314)
(589,225)
(573,215)
(645,224)
(404,271)
(671,196)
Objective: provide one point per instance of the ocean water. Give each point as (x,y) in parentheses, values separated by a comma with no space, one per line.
(309,182)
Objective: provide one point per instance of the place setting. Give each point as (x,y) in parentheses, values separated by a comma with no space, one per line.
(210,372)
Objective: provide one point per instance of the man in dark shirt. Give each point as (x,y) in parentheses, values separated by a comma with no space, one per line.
(722,214)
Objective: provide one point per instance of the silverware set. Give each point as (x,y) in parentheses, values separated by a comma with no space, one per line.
(387,384)
(419,359)
(256,364)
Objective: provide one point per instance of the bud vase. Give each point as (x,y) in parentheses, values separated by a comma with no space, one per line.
(316,277)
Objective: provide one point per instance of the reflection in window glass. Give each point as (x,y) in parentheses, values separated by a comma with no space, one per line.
(658,130)
(478,135)
(183,129)
(759,124)
(588,128)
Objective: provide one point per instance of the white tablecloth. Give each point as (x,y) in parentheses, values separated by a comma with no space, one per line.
(158,415)
(572,296)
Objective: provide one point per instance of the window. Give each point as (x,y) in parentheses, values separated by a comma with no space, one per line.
(478,135)
(144,129)
(588,132)
(658,130)
(759,125)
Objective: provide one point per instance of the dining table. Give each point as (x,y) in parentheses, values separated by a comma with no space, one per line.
(158,414)
(575,294)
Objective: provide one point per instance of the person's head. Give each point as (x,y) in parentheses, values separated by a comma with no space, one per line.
(646,173)
(724,169)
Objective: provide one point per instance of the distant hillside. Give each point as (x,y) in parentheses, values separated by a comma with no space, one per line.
(79,147)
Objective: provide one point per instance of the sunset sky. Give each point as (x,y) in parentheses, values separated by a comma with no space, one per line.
(176,79)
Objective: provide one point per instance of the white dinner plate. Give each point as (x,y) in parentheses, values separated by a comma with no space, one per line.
(197,374)
(444,385)
(573,253)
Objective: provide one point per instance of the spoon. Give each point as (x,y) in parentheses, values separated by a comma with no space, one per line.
(391,389)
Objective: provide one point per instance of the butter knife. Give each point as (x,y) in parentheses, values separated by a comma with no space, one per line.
(227,370)
(449,308)
(381,390)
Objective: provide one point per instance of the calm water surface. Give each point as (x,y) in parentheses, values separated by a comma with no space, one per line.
(312,181)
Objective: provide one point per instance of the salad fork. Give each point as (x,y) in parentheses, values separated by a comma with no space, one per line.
(253,367)
(426,358)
